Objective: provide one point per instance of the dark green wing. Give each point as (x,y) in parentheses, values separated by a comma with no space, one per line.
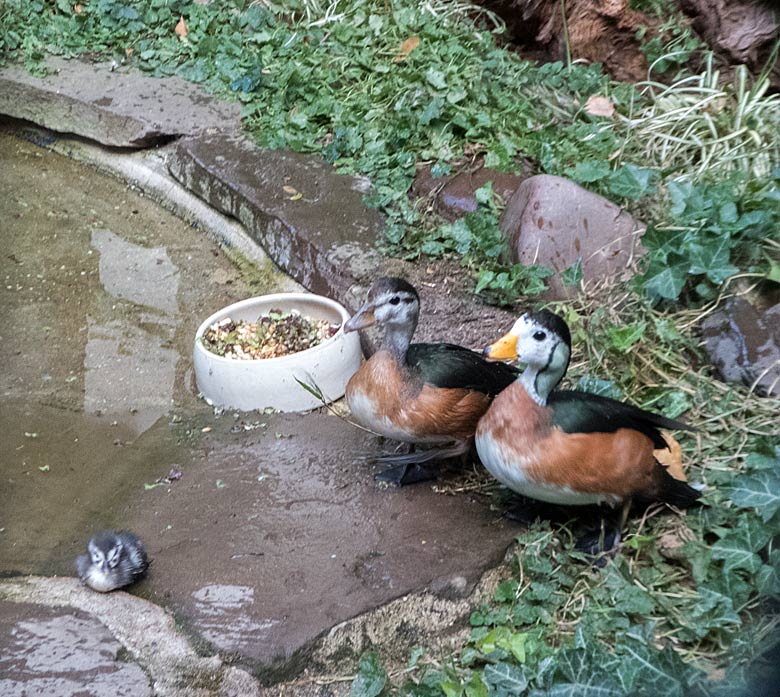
(448,365)
(582,412)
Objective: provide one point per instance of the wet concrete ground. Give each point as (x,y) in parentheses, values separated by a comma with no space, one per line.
(275,531)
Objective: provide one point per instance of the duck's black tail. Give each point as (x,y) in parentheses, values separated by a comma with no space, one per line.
(676,492)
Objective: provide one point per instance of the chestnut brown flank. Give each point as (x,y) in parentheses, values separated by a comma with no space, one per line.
(619,463)
(418,408)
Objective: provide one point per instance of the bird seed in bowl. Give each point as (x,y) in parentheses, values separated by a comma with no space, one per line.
(275,334)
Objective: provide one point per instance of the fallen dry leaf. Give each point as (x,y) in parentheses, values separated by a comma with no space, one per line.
(599,106)
(671,458)
(407,47)
(671,542)
(181,29)
(294,193)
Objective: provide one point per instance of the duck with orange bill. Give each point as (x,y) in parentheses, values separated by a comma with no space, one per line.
(569,447)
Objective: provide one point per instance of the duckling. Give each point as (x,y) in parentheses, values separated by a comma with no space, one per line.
(569,447)
(421,394)
(115,559)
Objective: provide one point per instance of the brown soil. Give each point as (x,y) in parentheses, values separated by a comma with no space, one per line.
(600,31)
(450,312)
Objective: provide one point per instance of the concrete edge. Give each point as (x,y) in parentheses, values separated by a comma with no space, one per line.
(147,171)
(145,630)
(432,617)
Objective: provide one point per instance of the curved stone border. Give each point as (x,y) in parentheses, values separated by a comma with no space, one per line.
(147,171)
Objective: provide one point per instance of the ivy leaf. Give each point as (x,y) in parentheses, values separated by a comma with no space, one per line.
(572,275)
(594,385)
(759,461)
(476,687)
(710,611)
(485,279)
(461,235)
(768,578)
(506,591)
(760,491)
(666,281)
(658,672)
(712,258)
(504,680)
(623,338)
(738,547)
(436,78)
(589,171)
(583,672)
(371,677)
(633,182)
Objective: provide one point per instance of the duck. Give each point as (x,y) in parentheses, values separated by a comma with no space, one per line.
(423,394)
(567,447)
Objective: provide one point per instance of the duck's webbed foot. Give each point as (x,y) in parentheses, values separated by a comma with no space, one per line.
(411,467)
(602,543)
(409,473)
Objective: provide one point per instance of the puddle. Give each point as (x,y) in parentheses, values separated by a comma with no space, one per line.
(102,292)
(222,615)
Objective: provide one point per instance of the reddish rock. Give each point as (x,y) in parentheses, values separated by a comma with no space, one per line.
(552,222)
(743,343)
(454,194)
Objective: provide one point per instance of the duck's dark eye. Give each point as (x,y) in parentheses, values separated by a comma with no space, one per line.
(395,300)
(540,336)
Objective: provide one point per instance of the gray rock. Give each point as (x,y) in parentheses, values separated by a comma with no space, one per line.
(311,220)
(552,222)
(114,107)
(65,652)
(743,343)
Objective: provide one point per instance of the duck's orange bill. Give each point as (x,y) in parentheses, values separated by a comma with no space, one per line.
(503,349)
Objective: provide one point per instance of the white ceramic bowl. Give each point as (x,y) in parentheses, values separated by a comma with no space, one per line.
(270,382)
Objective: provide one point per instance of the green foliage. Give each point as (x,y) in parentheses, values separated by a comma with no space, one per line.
(717,230)
(371,677)
(339,83)
(477,240)
(673,45)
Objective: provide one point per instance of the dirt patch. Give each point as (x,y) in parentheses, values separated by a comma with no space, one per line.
(600,31)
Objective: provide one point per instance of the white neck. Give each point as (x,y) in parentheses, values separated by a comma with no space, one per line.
(539,383)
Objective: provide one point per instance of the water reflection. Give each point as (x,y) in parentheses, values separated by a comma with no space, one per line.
(142,275)
(222,615)
(130,368)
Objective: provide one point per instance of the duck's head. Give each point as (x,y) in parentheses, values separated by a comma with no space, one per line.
(391,302)
(540,339)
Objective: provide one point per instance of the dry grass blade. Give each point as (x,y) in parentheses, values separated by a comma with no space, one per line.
(702,127)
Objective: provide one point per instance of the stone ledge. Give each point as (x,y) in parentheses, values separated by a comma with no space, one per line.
(114,107)
(311,220)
